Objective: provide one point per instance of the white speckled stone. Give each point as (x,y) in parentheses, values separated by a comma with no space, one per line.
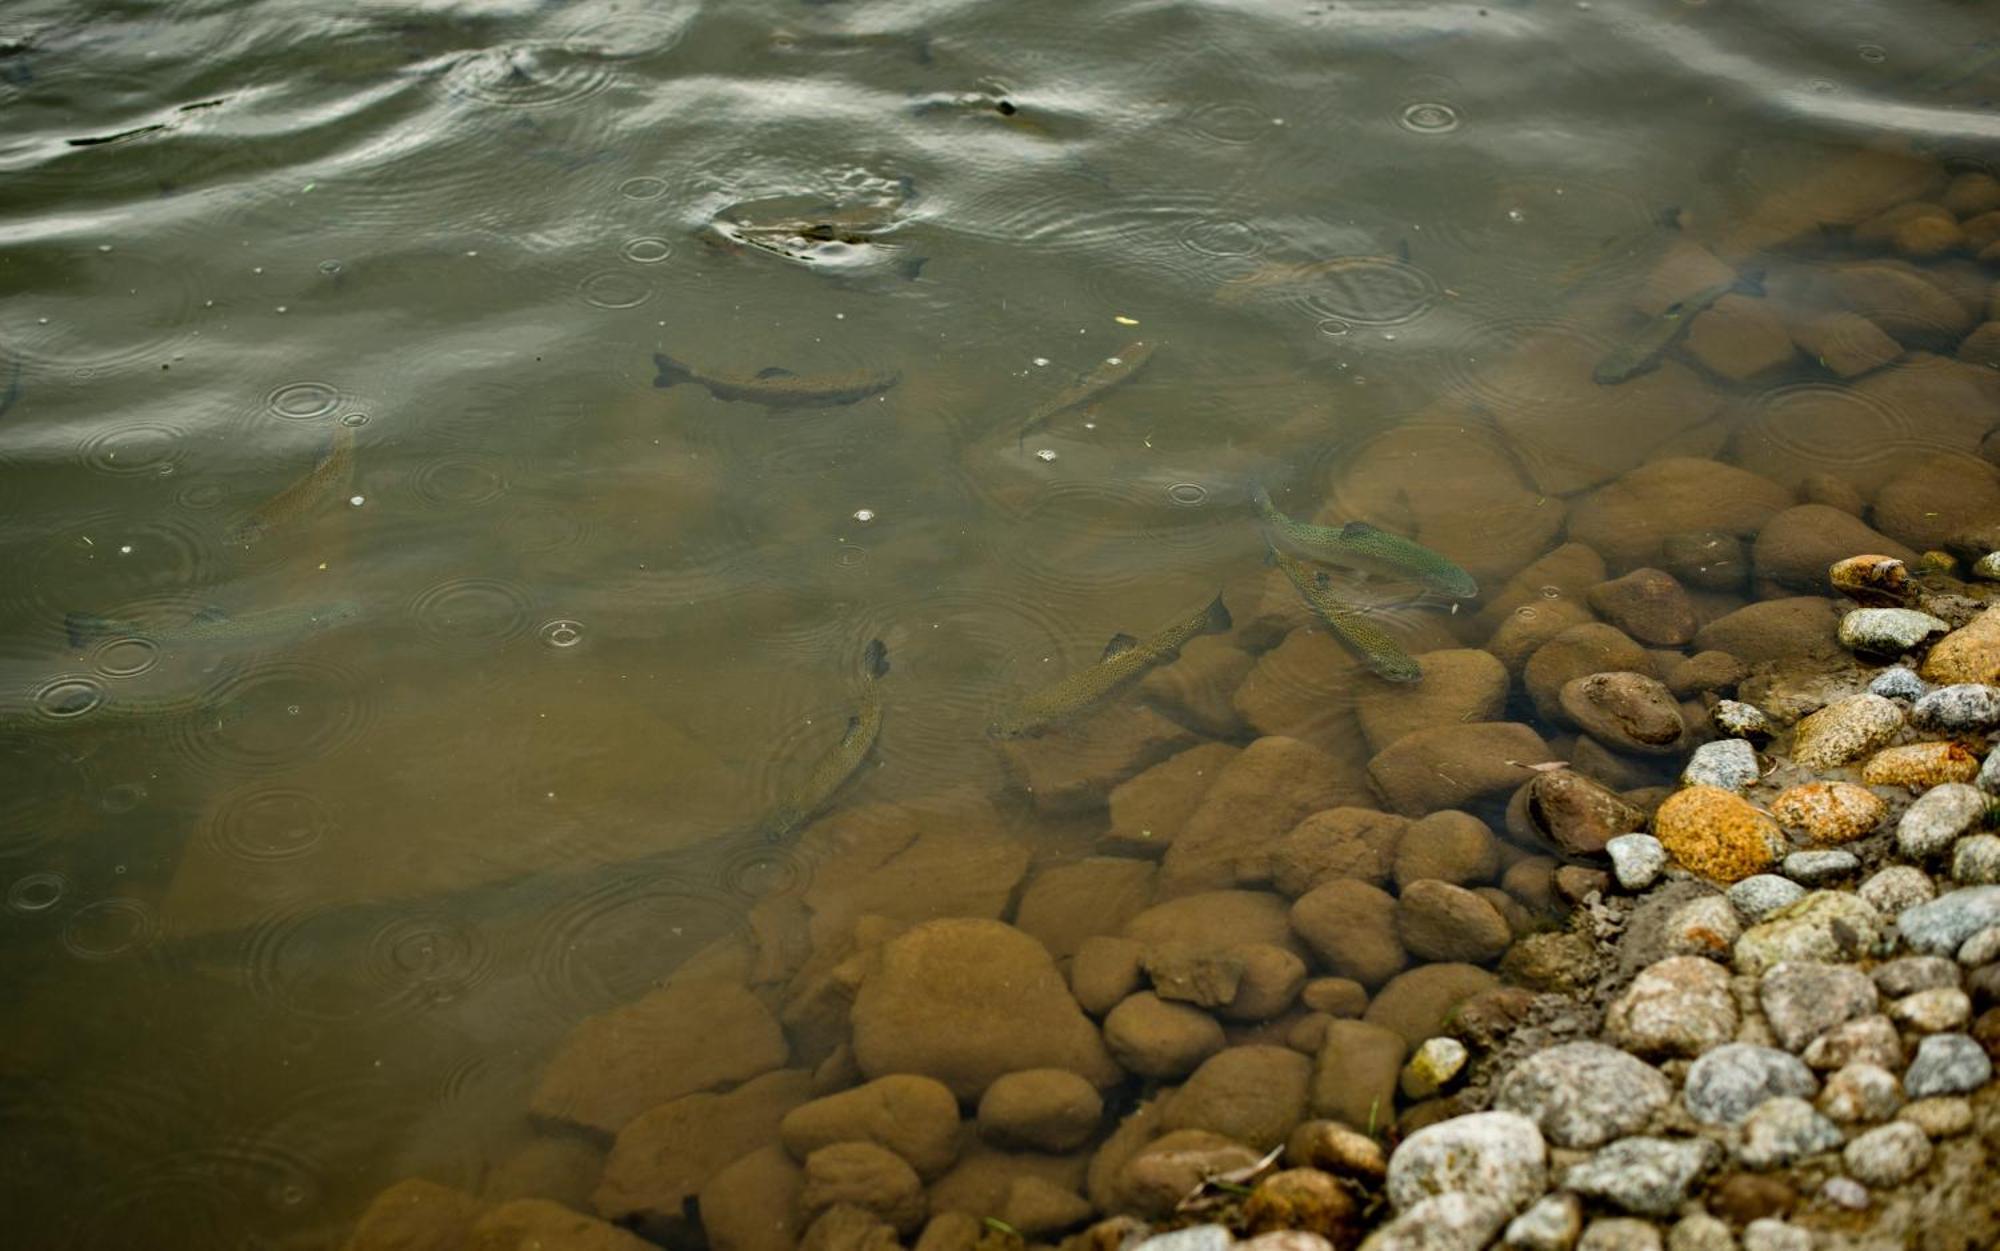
(1551,1223)
(1933,1011)
(1768,1233)
(1636,860)
(1761,894)
(1981,948)
(1897,887)
(1817,868)
(1500,1155)
(1888,1155)
(1861,1092)
(1938,818)
(1730,763)
(1785,1129)
(1947,1064)
(1975,861)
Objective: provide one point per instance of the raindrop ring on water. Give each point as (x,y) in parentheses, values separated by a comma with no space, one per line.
(37,892)
(354,420)
(561,632)
(72,695)
(615,289)
(124,657)
(303,401)
(268,824)
(108,928)
(1429,117)
(650,250)
(1187,494)
(643,188)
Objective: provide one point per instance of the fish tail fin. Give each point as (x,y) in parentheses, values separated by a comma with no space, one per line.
(1217,618)
(671,371)
(875,659)
(82,627)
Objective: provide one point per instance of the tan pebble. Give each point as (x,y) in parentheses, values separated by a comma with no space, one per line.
(1877,580)
(1717,833)
(1829,813)
(1941,1116)
(1920,765)
(1970,653)
(1971,193)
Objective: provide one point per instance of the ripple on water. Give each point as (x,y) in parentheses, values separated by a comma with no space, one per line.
(262,823)
(151,449)
(272,715)
(104,558)
(67,697)
(95,309)
(1482,363)
(1428,117)
(44,791)
(108,928)
(755,867)
(615,289)
(527,75)
(610,942)
(303,401)
(124,656)
(34,893)
(460,480)
(1230,122)
(303,962)
(473,613)
(1814,426)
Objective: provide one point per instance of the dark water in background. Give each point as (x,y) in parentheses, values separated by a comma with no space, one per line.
(245,983)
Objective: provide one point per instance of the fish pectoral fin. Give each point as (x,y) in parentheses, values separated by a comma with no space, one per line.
(775,371)
(1120,644)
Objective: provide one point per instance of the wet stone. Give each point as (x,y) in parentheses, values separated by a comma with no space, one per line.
(1870,1040)
(1646,1176)
(1434,1066)
(1988,777)
(1729,763)
(1704,671)
(1940,1116)
(1575,814)
(1584,1094)
(1981,948)
(1947,1064)
(1745,1197)
(1193,1238)
(1735,719)
(1918,765)
(1845,731)
(1758,897)
(1963,708)
(1448,1222)
(1681,1006)
(1826,925)
(1040,1110)
(1938,818)
(1442,922)
(1619,1233)
(1716,833)
(1887,631)
(1874,579)
(1897,682)
(1334,1148)
(1698,1231)
(1975,861)
(1844,1192)
(1911,974)
(1942,924)
(1888,1155)
(1551,1223)
(1803,1000)
(1829,813)
(1703,927)
(1900,886)
(1726,1084)
(1104,970)
(1558,961)
(1637,859)
(1647,604)
(1818,868)
(1784,1129)
(1625,711)
(1499,1155)
(1153,1038)
(1933,1011)
(1861,1092)
(1770,1234)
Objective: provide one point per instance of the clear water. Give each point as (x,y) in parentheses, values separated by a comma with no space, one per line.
(295,911)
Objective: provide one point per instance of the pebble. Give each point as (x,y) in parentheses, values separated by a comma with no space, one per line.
(1817,868)
(1888,1155)
(1717,833)
(1193,1238)
(1704,927)
(1785,1129)
(1735,719)
(1832,926)
(1285,1240)
(1861,1092)
(1725,1084)
(1933,1011)
(1433,1067)
(1498,1155)
(1887,631)
(1942,924)
(1896,888)
(1680,1006)
(1730,763)
(1981,948)
(1551,1223)
(1830,812)
(1698,1231)
(1897,682)
(1911,974)
(1768,1233)
(1619,1233)
(1870,1040)
(1845,731)
(1917,765)
(1987,567)
(1637,859)
(1975,861)
(1940,1116)
(1646,1176)
(1804,999)
(1965,707)
(1447,1222)
(1758,897)
(1845,1192)
(1584,1094)
(1937,818)
(1989,772)
(1947,1064)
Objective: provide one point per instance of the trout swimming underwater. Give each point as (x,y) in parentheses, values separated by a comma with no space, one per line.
(1358,545)
(266,627)
(779,388)
(831,772)
(1650,341)
(329,479)
(1352,627)
(1105,375)
(1124,662)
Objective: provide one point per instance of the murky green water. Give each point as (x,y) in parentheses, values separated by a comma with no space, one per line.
(298,901)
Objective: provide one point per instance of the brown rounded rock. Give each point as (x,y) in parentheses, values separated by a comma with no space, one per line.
(1578,652)
(1708,560)
(1448,846)
(1647,604)
(1067,903)
(865,1176)
(1173,1166)
(1571,813)
(1271,981)
(1455,766)
(1355,1074)
(1872,579)
(752,1205)
(1103,971)
(1625,711)
(1334,1148)
(1154,1038)
(1040,1110)
(1458,685)
(1358,843)
(1418,1004)
(1705,671)
(1797,547)
(1970,653)
(1775,629)
(664,1157)
(1215,920)
(1253,1095)
(1532,882)
(1920,765)
(1335,996)
(1303,1199)
(1521,633)
(1439,921)
(1717,833)
(1829,813)
(1628,519)
(1744,1197)
(1351,927)
(915,1117)
(1148,811)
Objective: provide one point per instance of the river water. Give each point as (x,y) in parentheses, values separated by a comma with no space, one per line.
(392,672)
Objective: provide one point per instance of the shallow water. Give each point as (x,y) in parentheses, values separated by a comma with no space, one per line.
(298,909)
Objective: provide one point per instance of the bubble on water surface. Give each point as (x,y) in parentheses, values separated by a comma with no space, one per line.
(37,892)
(650,250)
(1334,328)
(528,75)
(273,716)
(73,695)
(109,928)
(472,612)
(201,496)
(615,289)
(121,797)
(124,656)
(1429,117)
(1226,236)
(645,187)
(354,421)
(141,449)
(1874,54)
(850,555)
(303,401)
(460,480)
(1046,455)
(864,514)
(1187,494)
(330,266)
(561,632)
(263,824)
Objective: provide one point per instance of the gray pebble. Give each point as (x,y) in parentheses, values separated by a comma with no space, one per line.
(1785,1129)
(1499,1155)
(1736,719)
(1976,860)
(1637,859)
(1760,895)
(1942,924)
(1870,1040)
(1938,818)
(1888,1155)
(1897,682)
(1803,999)
(1619,1233)
(1193,1238)
(1911,974)
(1989,771)
(1698,1231)
(1981,948)
(1887,631)
(1897,887)
(1646,1176)
(1729,763)
(1446,1222)
(1724,1085)
(1768,1233)
(1967,707)
(1551,1223)
(1845,1192)
(1703,927)
(1947,1064)
(1584,1094)
(1817,868)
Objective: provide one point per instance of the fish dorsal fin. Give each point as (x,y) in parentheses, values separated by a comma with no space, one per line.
(1322,579)
(775,371)
(1358,530)
(1120,644)
(211,614)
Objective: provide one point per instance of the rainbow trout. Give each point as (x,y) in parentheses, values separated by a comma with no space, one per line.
(831,772)
(1124,662)
(331,478)
(1650,341)
(1105,375)
(1358,545)
(1353,628)
(779,388)
(214,628)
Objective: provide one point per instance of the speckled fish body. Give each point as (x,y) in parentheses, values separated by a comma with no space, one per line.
(1383,656)
(780,388)
(1124,662)
(1358,545)
(841,761)
(1105,375)
(330,479)
(1650,341)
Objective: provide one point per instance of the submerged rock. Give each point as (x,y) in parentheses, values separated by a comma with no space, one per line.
(1887,631)
(1845,731)
(1572,813)
(1647,604)
(915,1117)
(1455,766)
(1625,711)
(1729,763)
